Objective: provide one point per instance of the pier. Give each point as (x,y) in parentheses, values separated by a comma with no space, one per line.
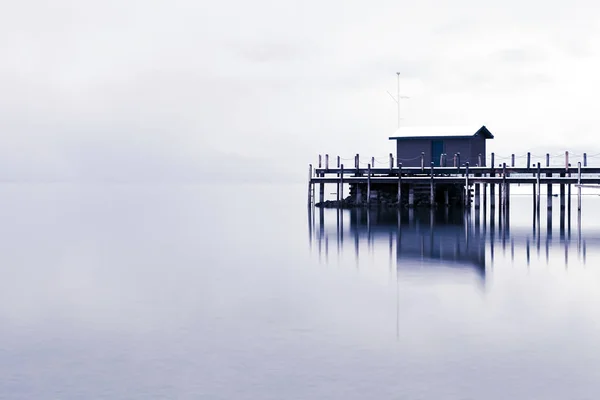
(457,185)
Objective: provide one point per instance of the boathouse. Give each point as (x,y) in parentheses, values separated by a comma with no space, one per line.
(420,146)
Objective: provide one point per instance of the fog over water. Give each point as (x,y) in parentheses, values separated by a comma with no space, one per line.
(236,291)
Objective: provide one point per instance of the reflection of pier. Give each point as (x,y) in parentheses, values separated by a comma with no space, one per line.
(428,239)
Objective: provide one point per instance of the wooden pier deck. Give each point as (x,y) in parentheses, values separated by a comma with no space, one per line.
(470,180)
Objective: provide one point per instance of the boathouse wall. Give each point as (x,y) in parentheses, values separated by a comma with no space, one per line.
(409,151)
(412,151)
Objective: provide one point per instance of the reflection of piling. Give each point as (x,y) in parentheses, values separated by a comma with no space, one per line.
(549,189)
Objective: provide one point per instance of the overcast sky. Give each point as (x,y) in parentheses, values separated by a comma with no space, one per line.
(167,90)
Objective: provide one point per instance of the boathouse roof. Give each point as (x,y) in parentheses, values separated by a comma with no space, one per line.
(442,132)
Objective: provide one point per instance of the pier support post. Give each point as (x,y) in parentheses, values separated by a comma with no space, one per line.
(477,193)
(549,193)
(341,183)
(446,198)
(534,197)
(321,190)
(512,160)
(309,184)
(500,198)
(411,196)
(368,185)
(338,190)
(493,184)
(539,186)
(507,193)
(579,186)
(467,190)
(400,185)
(504,187)
(562,192)
(549,187)
(528,160)
(431,189)
(567,173)
(321,185)
(484,198)
(569,200)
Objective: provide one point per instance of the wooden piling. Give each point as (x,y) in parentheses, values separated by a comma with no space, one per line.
(492,185)
(562,193)
(528,160)
(467,190)
(579,186)
(549,186)
(411,196)
(400,185)
(484,198)
(338,190)
(500,198)
(341,182)
(309,183)
(534,197)
(368,185)
(539,186)
(569,199)
(321,190)
(477,190)
(512,160)
(567,173)
(432,189)
(504,185)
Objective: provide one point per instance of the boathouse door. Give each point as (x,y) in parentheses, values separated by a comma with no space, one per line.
(437,148)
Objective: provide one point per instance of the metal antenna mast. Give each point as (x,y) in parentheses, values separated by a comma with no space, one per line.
(398,75)
(398,97)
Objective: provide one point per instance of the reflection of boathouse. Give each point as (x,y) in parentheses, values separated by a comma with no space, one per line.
(427,239)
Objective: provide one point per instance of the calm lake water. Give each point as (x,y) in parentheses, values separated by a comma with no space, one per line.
(237,292)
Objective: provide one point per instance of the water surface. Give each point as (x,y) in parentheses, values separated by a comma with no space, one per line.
(238,292)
